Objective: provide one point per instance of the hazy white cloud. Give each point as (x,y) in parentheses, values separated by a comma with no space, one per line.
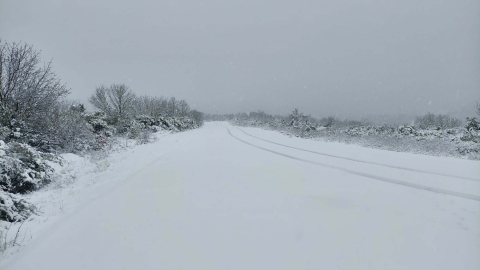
(350,58)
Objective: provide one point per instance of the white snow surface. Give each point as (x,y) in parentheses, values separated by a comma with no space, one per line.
(218,198)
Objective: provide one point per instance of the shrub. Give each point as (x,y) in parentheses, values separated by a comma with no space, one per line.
(13,208)
(197,116)
(473,130)
(407,130)
(439,122)
(144,136)
(434,141)
(99,124)
(472,124)
(24,169)
(134,129)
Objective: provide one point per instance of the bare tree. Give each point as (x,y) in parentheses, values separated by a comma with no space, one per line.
(328,121)
(183,108)
(27,89)
(122,99)
(440,121)
(172,107)
(143,105)
(116,101)
(151,106)
(100,100)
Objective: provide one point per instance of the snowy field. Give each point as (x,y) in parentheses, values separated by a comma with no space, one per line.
(223,197)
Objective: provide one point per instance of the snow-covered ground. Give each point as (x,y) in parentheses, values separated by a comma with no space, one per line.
(223,197)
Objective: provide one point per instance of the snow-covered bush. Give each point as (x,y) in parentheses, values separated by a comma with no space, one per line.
(407,130)
(144,136)
(13,208)
(67,129)
(472,130)
(147,121)
(197,116)
(134,129)
(184,123)
(472,125)
(98,122)
(4,133)
(24,169)
(62,129)
(462,142)
(71,129)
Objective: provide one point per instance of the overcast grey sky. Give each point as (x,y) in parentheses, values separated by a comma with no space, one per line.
(344,57)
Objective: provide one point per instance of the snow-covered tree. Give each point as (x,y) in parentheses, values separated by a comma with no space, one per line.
(151,106)
(440,121)
(28,89)
(172,109)
(183,108)
(197,116)
(117,101)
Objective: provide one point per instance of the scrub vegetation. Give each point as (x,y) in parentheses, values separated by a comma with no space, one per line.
(38,123)
(430,134)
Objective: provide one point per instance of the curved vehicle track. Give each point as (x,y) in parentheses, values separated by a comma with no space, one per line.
(384,179)
(363,161)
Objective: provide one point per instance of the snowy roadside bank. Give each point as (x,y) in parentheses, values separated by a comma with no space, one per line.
(81,180)
(404,139)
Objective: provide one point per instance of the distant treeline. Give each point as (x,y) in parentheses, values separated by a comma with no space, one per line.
(427,121)
(34,106)
(429,134)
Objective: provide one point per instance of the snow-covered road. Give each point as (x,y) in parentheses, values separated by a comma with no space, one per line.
(247,198)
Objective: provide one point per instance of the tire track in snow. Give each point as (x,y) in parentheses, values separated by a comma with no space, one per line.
(363,161)
(380,178)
